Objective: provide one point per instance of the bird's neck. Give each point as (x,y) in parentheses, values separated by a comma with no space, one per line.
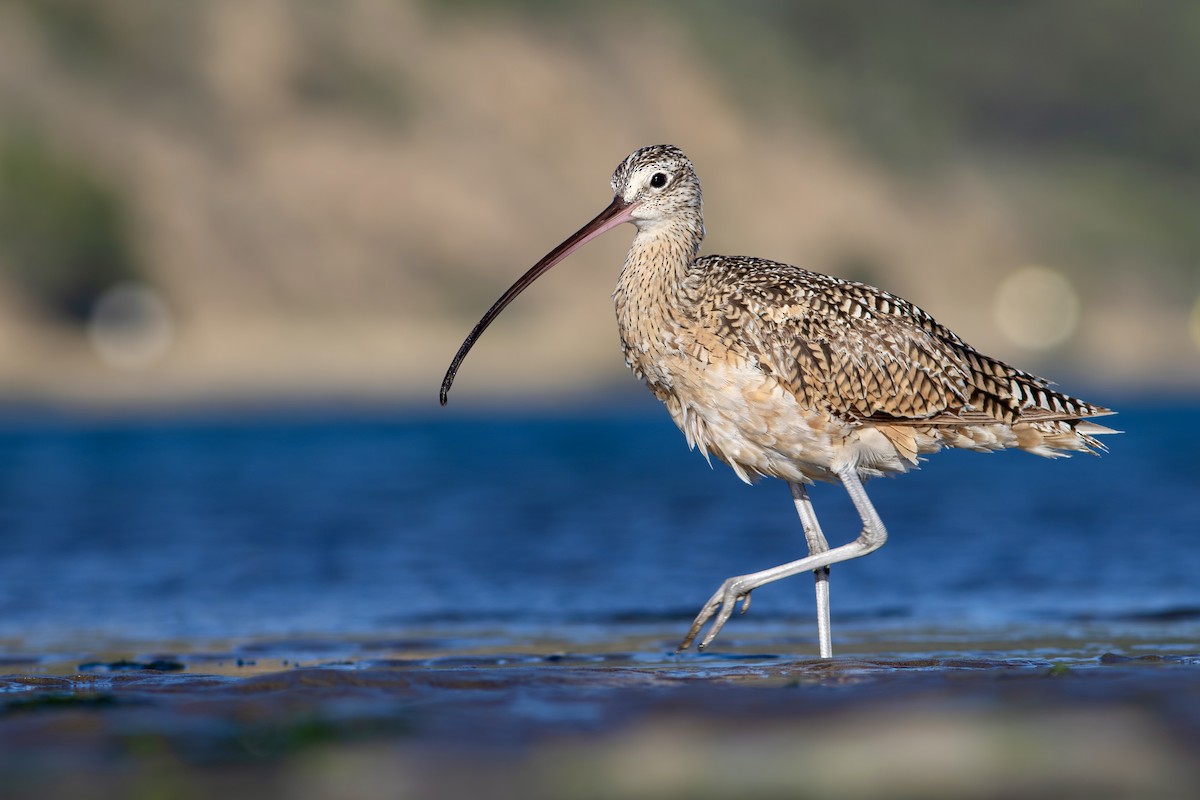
(650,300)
(658,262)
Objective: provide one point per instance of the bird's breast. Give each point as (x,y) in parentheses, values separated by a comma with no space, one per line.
(729,408)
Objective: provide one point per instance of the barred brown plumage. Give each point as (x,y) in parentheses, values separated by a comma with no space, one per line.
(786,373)
(863,353)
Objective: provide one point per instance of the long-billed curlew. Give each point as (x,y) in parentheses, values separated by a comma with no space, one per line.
(791,374)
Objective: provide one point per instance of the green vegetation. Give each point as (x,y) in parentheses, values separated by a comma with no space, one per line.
(139,46)
(1101,75)
(80,32)
(64,234)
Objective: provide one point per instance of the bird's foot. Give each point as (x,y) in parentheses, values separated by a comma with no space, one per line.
(722,603)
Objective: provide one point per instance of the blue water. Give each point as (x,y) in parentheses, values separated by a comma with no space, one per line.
(178,529)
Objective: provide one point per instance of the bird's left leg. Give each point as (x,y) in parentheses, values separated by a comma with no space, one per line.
(722,603)
(816,544)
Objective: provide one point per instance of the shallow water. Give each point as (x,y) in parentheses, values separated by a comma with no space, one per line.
(218,528)
(189,595)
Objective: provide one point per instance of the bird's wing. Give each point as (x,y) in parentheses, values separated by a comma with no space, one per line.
(864,354)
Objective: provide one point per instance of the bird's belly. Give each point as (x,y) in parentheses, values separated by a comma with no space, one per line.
(755,425)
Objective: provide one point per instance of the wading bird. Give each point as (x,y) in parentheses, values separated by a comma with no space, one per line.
(791,374)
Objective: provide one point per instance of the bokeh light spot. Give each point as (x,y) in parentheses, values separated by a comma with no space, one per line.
(1036,308)
(131,327)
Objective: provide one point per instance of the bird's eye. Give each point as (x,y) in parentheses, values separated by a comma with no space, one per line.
(658,180)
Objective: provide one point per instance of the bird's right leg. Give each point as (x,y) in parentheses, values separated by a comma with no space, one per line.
(722,603)
(816,544)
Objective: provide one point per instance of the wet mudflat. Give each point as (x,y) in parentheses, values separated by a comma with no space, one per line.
(934,715)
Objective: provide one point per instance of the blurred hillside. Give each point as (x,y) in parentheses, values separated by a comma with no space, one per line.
(223,200)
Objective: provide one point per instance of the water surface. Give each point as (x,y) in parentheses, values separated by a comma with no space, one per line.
(168,530)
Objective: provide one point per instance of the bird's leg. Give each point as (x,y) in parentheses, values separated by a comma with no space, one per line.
(816,544)
(722,603)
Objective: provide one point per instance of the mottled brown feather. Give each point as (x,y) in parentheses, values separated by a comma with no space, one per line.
(860,353)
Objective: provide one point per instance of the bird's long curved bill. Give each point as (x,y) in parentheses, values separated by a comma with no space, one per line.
(618,212)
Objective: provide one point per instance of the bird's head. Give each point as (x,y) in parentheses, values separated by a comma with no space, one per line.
(659,185)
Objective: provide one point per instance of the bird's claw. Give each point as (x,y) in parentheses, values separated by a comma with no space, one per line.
(722,603)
